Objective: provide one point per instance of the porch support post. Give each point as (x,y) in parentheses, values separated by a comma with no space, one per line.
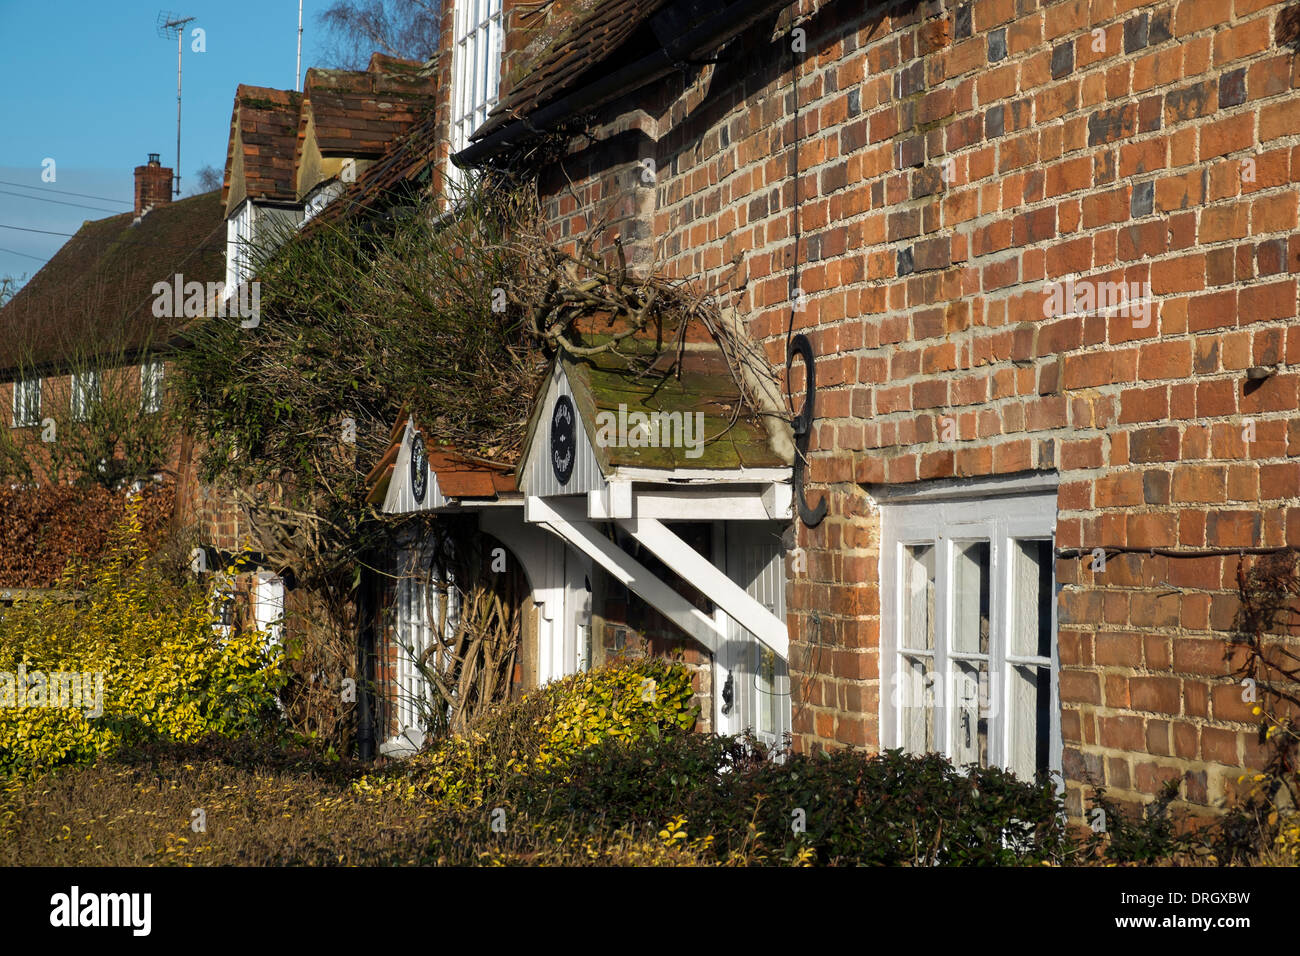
(570,524)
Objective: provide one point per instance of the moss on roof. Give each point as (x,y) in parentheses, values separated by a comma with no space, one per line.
(701,385)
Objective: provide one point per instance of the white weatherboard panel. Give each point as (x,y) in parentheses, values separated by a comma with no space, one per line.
(400,499)
(539,477)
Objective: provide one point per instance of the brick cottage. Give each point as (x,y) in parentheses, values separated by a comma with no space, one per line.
(1044,254)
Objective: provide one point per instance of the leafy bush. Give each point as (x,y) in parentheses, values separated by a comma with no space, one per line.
(593,770)
(840,807)
(545,729)
(158,669)
(606,757)
(1145,837)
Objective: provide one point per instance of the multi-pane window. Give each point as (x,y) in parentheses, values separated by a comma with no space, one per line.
(27,402)
(476,69)
(318,199)
(968,632)
(151,386)
(85,394)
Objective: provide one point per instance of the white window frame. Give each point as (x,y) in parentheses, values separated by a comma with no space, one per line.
(27,402)
(86,388)
(477,42)
(945,515)
(239,248)
(318,199)
(268,607)
(151,386)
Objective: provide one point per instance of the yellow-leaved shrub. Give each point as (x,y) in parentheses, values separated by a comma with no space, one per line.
(624,700)
(157,667)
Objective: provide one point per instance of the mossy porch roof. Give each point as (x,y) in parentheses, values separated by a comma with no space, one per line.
(703,384)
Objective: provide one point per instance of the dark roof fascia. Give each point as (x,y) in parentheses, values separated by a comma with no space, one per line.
(706,37)
(289,204)
(60,367)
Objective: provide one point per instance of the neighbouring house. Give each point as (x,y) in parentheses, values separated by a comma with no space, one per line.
(1042,258)
(84,332)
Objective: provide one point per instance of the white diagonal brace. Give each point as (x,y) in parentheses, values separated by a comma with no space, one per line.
(584,536)
(692,566)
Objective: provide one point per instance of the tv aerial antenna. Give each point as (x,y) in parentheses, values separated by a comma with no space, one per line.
(173,25)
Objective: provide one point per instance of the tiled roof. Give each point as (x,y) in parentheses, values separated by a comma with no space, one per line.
(405,161)
(383,63)
(359,114)
(98,288)
(562,53)
(264,126)
(458,475)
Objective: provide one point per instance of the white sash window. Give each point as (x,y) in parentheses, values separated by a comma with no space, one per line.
(151,386)
(85,394)
(27,403)
(476,70)
(422,640)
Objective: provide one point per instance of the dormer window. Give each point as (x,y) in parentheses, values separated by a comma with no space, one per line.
(254,230)
(239,248)
(476,70)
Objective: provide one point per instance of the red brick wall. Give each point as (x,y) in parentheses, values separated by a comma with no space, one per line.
(210,512)
(954,159)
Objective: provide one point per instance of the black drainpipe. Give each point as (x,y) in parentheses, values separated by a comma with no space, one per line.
(706,37)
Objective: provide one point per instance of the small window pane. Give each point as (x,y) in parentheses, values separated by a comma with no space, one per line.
(971,598)
(917,695)
(1031,598)
(85,394)
(27,402)
(918,597)
(151,382)
(772,685)
(1031,686)
(970,695)
(1031,700)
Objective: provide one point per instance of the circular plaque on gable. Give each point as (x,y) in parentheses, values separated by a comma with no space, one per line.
(563,419)
(419,469)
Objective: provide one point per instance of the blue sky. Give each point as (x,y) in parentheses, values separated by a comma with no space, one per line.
(91,85)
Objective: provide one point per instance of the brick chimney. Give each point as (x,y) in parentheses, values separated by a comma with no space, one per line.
(153,186)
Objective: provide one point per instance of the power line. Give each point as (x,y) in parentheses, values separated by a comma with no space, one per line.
(60,202)
(64,192)
(128,242)
(45,232)
(15,252)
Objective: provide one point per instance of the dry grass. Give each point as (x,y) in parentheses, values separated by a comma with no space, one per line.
(263,807)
